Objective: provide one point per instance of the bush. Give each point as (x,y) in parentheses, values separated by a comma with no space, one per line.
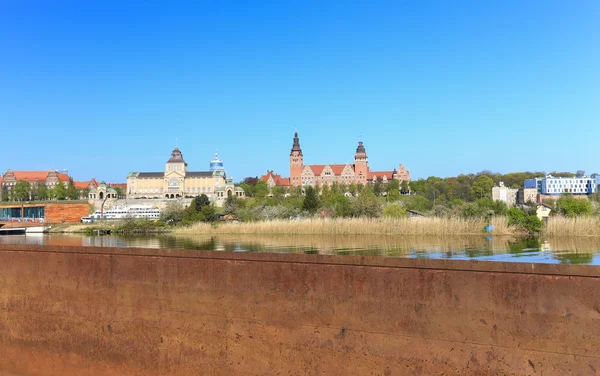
(529,222)
(365,205)
(311,200)
(516,217)
(533,224)
(571,207)
(394,210)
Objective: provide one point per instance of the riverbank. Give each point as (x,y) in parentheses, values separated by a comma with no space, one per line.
(356,226)
(117,227)
(427,226)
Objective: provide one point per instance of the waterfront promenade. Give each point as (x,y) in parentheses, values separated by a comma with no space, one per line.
(131,311)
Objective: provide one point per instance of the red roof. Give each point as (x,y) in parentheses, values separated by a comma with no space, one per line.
(81,184)
(279,181)
(338,168)
(317,169)
(380,174)
(119,185)
(283,182)
(37,176)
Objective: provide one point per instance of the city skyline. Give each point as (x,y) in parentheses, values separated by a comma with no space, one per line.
(107,88)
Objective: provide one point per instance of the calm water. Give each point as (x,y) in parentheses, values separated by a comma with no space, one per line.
(561,250)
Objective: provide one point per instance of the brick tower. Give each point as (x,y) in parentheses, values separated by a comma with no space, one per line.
(361,164)
(296,162)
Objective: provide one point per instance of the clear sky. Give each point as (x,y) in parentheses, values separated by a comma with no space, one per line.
(106,87)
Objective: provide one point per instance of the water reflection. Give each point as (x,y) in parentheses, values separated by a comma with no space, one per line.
(553,250)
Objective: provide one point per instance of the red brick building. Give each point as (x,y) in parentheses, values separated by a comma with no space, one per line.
(327,174)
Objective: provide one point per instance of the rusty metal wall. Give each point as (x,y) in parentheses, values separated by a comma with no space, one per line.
(93,311)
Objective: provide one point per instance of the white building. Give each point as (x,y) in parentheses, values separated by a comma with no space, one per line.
(553,186)
(505,194)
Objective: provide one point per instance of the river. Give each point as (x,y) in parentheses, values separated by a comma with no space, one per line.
(560,250)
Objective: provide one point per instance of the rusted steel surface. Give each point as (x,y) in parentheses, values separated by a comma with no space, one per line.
(75,311)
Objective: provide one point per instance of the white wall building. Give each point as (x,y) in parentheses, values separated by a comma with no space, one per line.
(552,186)
(505,194)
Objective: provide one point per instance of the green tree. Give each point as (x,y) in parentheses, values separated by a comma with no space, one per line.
(120,193)
(394,210)
(199,202)
(72,192)
(230,206)
(572,207)
(42,192)
(482,187)
(172,213)
(33,193)
(366,204)
(22,190)
(393,190)
(352,189)
(261,190)
(404,187)
(200,210)
(311,200)
(418,203)
(85,193)
(377,188)
(325,192)
(5,194)
(516,217)
(60,191)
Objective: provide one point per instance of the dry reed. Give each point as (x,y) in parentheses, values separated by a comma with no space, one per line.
(579,226)
(356,226)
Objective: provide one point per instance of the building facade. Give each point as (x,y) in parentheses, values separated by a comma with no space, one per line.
(504,194)
(555,186)
(527,195)
(177,182)
(302,175)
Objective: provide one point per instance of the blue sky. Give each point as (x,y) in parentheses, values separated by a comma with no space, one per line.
(444,87)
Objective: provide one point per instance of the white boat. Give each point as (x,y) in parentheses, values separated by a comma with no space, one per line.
(37,229)
(121,212)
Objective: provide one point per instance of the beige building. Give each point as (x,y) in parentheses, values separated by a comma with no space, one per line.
(543,212)
(525,195)
(177,182)
(505,194)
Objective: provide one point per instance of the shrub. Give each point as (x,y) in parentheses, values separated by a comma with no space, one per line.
(571,207)
(394,211)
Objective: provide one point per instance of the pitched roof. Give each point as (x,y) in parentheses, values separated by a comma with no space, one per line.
(37,175)
(317,169)
(285,182)
(176,156)
(338,168)
(380,174)
(81,184)
(279,181)
(150,174)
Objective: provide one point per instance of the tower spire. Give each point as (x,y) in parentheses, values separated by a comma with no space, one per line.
(296,146)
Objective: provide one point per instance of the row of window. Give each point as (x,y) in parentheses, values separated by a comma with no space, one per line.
(193,190)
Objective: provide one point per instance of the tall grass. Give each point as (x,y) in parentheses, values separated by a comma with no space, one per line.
(579,226)
(356,226)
